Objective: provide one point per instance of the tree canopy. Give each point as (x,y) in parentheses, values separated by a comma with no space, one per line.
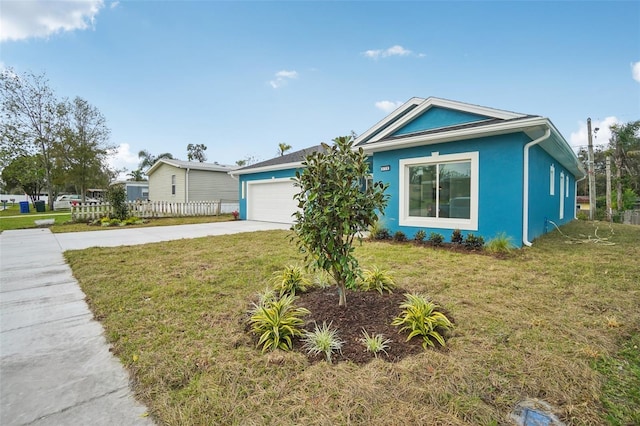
(195,152)
(336,206)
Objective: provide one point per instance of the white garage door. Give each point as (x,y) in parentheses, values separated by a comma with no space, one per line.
(271,200)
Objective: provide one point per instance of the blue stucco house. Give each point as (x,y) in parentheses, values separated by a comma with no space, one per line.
(449,165)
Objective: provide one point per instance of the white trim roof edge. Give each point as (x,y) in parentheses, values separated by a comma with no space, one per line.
(272,168)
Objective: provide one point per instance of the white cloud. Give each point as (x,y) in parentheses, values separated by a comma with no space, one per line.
(114,4)
(282,77)
(388,106)
(635,71)
(40,18)
(396,50)
(580,138)
(123,158)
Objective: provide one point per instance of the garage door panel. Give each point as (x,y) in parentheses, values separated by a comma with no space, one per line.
(271,201)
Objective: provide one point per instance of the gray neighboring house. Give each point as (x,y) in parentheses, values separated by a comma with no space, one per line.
(137,190)
(187,181)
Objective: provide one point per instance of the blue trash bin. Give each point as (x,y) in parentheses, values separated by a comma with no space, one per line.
(24,207)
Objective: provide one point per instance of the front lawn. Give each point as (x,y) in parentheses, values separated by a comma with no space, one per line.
(559,322)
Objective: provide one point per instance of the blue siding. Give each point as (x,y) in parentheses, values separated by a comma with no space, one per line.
(437,117)
(500,184)
(542,205)
(277,174)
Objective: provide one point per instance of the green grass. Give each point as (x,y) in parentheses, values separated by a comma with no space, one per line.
(557,321)
(63,221)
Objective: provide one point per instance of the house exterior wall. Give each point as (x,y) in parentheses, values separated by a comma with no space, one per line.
(438,117)
(210,186)
(243,179)
(500,164)
(160,184)
(135,193)
(543,206)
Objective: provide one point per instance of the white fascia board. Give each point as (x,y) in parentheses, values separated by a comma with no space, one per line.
(271,168)
(454,135)
(445,103)
(389,118)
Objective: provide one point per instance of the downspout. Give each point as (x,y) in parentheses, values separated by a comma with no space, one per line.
(186,184)
(575,195)
(525,187)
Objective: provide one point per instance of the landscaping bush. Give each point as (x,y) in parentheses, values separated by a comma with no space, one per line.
(420,236)
(456,237)
(322,340)
(277,321)
(436,239)
(421,318)
(473,243)
(501,243)
(290,280)
(377,279)
(375,343)
(399,237)
(117,198)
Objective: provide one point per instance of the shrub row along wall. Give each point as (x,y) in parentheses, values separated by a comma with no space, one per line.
(151,209)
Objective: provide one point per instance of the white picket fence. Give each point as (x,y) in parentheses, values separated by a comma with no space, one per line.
(153,209)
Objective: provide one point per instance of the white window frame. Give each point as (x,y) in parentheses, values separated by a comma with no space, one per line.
(562,186)
(173,185)
(566,190)
(470,224)
(552,179)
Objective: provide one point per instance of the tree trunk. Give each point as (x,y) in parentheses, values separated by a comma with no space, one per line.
(619,206)
(342,292)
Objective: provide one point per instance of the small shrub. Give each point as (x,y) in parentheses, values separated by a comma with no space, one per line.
(383,234)
(115,222)
(377,279)
(436,239)
(134,220)
(582,215)
(117,198)
(420,236)
(456,237)
(500,244)
(323,340)
(377,231)
(421,318)
(277,321)
(399,237)
(290,280)
(236,214)
(473,243)
(375,343)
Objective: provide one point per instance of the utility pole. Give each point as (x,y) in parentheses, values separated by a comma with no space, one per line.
(609,188)
(592,176)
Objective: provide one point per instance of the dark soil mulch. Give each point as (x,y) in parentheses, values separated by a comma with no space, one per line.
(369,310)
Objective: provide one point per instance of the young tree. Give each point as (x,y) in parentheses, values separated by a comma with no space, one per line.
(336,206)
(282,148)
(84,146)
(195,152)
(30,121)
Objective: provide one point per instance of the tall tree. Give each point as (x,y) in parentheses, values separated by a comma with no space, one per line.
(336,206)
(26,174)
(31,120)
(624,145)
(282,148)
(84,146)
(195,152)
(147,159)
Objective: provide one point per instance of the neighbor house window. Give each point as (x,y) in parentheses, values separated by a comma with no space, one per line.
(552,179)
(566,190)
(173,184)
(440,191)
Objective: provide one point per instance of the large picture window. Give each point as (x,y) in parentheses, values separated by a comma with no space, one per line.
(440,191)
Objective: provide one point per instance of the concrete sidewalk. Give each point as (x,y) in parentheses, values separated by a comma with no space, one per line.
(55,364)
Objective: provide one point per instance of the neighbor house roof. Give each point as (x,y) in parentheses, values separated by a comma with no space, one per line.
(281,162)
(391,132)
(192,165)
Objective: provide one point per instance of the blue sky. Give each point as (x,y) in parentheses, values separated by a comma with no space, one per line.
(241,77)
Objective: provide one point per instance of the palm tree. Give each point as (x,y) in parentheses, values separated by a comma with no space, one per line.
(136,175)
(282,148)
(147,159)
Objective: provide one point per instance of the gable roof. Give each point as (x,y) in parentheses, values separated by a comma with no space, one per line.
(411,125)
(282,162)
(192,165)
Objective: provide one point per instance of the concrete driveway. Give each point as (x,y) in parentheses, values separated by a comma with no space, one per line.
(55,364)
